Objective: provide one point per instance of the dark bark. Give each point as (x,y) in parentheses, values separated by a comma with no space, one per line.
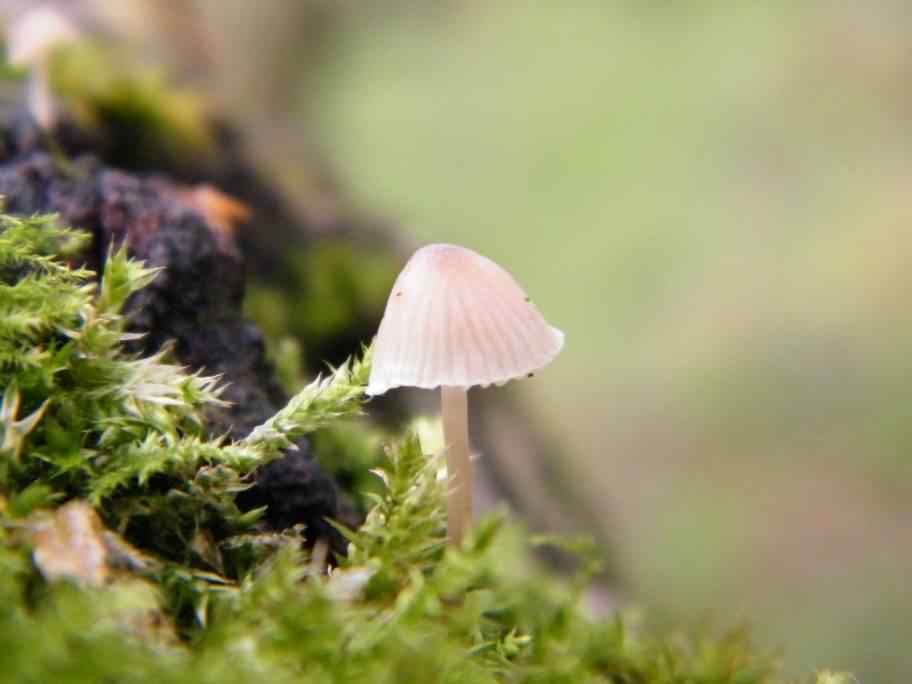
(194,304)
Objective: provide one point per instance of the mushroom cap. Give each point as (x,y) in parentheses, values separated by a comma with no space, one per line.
(37,31)
(456,318)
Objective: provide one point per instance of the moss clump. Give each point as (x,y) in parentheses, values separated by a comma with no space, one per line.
(145,119)
(123,556)
(330,295)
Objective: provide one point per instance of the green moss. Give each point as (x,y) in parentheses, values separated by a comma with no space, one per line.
(331,296)
(350,452)
(145,118)
(124,558)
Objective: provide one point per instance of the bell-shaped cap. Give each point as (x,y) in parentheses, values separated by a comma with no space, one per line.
(32,35)
(456,318)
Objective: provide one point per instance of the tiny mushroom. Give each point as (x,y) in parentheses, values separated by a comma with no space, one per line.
(31,39)
(455,319)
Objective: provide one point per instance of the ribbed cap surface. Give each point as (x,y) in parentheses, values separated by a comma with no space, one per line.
(456,318)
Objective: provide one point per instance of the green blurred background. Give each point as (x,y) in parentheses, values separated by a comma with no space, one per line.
(713,200)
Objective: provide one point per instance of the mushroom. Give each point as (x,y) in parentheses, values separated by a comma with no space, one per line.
(454,320)
(31,40)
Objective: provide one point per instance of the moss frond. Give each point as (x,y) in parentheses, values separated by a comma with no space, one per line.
(338,396)
(124,557)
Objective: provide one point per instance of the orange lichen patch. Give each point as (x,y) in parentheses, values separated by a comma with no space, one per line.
(221,211)
(69,544)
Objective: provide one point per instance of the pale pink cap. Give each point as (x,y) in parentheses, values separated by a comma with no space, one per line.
(456,318)
(35,32)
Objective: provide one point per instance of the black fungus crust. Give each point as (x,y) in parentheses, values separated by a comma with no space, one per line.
(194,303)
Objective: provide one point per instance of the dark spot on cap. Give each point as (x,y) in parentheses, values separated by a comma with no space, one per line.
(399,294)
(531,375)
(528,300)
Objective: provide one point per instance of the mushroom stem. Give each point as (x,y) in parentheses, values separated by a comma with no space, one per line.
(39,98)
(454,410)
